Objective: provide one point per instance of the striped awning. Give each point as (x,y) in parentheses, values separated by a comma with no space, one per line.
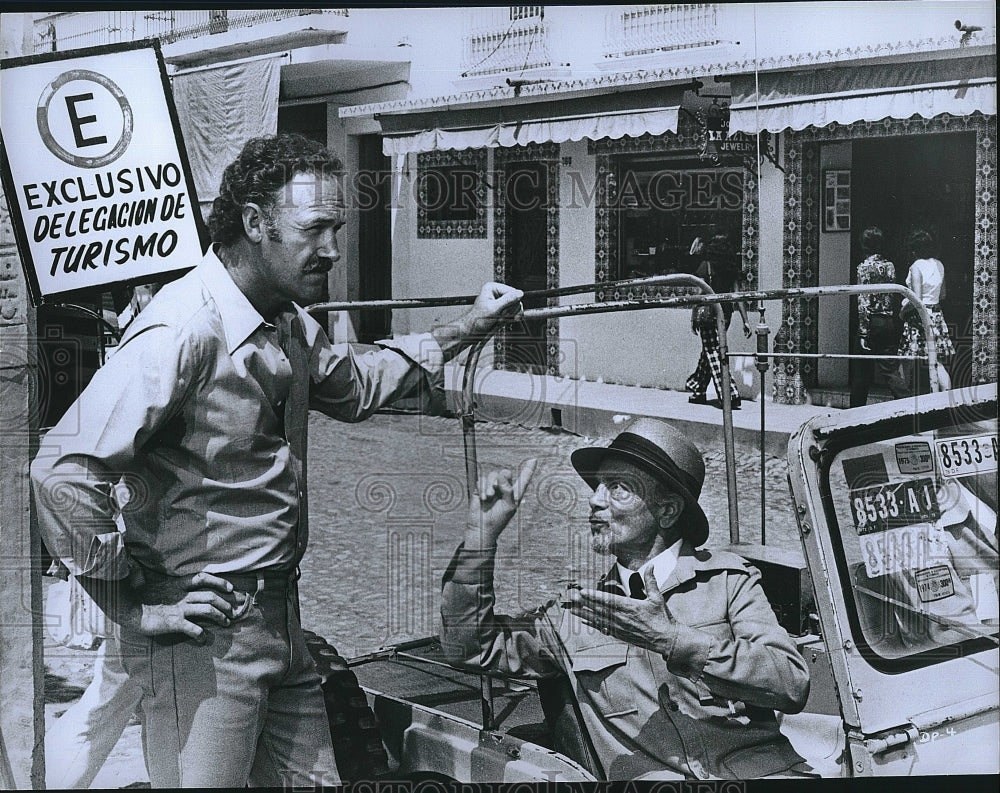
(776,111)
(554,130)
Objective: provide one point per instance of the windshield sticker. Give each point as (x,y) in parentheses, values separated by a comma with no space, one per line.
(968,455)
(934,583)
(881,507)
(906,548)
(914,457)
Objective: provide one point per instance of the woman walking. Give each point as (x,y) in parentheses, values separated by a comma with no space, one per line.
(878,333)
(926,280)
(722,273)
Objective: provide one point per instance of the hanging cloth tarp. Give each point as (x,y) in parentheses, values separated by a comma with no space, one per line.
(220,109)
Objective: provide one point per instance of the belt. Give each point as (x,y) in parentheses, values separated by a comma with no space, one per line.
(261,579)
(254,584)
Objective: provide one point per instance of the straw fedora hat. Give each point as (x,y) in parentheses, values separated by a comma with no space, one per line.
(663,451)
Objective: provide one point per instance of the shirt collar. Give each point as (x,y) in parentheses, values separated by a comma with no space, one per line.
(663,565)
(239,318)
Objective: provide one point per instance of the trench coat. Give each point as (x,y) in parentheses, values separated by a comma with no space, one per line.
(706,709)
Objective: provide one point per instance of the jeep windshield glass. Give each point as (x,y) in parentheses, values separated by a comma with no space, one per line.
(916,519)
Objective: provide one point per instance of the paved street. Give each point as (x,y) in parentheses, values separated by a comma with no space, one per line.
(387,509)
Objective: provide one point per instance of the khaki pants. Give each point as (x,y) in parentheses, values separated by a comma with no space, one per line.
(244,708)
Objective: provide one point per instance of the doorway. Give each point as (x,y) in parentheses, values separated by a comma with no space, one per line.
(902,183)
(374,239)
(525,250)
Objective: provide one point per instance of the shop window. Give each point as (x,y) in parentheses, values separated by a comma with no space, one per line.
(664,205)
(451,195)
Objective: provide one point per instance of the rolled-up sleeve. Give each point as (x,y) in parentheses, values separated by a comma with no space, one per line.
(96,443)
(473,635)
(349,385)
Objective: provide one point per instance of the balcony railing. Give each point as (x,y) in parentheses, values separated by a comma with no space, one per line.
(87,29)
(506,39)
(640,30)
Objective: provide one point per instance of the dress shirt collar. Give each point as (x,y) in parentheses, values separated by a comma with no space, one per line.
(663,565)
(239,318)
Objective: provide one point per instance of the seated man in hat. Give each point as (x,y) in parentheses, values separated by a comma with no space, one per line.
(675,658)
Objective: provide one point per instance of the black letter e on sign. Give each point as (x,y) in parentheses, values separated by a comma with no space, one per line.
(78,121)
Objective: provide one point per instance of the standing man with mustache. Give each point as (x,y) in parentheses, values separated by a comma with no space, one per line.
(203,409)
(676,659)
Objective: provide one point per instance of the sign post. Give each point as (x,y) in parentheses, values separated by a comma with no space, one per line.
(22,671)
(96,192)
(95,170)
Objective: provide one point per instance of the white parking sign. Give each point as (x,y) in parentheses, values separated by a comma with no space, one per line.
(95,170)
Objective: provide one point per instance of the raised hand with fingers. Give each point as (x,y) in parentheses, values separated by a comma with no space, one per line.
(644,623)
(494,503)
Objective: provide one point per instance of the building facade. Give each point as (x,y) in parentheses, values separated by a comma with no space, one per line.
(548,146)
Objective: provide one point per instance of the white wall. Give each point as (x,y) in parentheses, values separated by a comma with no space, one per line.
(434,37)
(834,268)
(431,38)
(771,253)
(433,267)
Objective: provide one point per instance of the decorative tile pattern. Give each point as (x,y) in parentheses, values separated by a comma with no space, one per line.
(609,156)
(799,326)
(547,153)
(751,228)
(473,160)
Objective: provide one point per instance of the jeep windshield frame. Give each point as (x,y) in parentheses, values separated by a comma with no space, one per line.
(867,437)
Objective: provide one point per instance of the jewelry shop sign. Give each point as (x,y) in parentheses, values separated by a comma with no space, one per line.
(95,171)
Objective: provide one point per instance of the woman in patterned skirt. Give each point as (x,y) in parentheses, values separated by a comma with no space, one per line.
(926,279)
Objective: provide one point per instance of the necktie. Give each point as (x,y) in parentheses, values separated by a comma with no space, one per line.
(636,587)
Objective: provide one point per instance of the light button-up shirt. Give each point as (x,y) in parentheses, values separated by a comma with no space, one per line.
(203,411)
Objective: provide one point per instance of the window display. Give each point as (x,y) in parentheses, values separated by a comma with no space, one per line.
(666,205)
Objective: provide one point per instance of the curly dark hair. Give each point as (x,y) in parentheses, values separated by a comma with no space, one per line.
(257,175)
(873,240)
(921,244)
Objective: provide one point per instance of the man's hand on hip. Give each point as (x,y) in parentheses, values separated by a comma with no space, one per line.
(161,604)
(180,604)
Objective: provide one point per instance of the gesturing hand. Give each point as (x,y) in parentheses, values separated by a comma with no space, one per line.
(644,623)
(494,503)
(172,605)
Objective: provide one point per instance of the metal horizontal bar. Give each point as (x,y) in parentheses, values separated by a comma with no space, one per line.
(468,300)
(859,356)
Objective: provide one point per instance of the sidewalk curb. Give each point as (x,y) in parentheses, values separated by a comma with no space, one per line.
(602,409)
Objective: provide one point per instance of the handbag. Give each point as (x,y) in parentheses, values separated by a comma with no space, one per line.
(704,316)
(909,314)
